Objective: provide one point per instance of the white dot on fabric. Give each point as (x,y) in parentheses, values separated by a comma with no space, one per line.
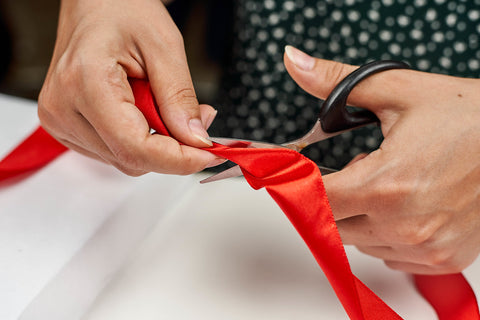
(420,50)
(309,44)
(389,21)
(451,19)
(373,45)
(269,4)
(438,36)
(431,15)
(394,48)
(278,33)
(445,62)
(420,3)
(261,65)
(416,34)
(363,37)
(253,122)
(407,52)
(298,27)
(449,35)
(448,52)
(423,64)
(262,35)
(334,46)
(337,15)
(352,52)
(353,15)
(309,12)
(270,92)
(272,48)
(474,15)
(386,35)
(266,79)
(289,5)
(403,20)
(255,19)
(324,32)
(409,11)
(459,47)
(461,66)
(345,30)
(251,53)
(473,64)
(373,15)
(273,19)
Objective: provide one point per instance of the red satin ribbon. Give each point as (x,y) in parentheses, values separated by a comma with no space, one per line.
(295,183)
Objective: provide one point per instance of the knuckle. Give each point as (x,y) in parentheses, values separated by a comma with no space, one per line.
(128,171)
(184,95)
(128,161)
(414,233)
(186,166)
(336,72)
(440,258)
(174,38)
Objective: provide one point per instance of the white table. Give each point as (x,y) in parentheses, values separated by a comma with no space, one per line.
(79,240)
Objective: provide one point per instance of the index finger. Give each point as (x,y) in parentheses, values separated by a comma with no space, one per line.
(110,109)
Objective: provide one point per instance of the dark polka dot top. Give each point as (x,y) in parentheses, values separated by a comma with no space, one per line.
(259,100)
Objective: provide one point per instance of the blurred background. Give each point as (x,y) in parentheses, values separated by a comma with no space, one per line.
(28,30)
(27,35)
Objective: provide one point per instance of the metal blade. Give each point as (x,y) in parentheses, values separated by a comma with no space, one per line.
(228,173)
(237,172)
(230,142)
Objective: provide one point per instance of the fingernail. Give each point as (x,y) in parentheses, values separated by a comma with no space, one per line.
(216,162)
(210,118)
(300,59)
(199,132)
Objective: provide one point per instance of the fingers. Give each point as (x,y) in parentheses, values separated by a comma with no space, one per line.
(169,76)
(319,77)
(116,131)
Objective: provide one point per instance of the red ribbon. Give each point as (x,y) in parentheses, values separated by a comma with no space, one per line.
(295,183)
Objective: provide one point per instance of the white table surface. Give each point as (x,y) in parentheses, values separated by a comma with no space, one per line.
(79,240)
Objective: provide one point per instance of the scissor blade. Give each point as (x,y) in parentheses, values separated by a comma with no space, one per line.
(231,142)
(229,173)
(237,172)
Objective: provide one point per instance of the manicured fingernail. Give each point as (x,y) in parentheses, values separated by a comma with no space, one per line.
(210,118)
(199,132)
(216,162)
(300,59)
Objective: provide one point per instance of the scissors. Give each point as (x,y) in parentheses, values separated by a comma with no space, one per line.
(334,118)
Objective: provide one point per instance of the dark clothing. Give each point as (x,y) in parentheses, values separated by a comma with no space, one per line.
(260,101)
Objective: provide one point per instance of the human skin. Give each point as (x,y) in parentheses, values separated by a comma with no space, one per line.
(414,202)
(86,101)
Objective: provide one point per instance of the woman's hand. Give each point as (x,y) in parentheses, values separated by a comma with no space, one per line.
(414,202)
(88,105)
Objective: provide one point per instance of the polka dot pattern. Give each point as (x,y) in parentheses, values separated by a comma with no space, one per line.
(260,101)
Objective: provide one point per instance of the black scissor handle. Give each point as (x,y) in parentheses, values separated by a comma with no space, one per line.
(334,116)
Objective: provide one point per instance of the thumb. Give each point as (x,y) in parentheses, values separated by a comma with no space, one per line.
(318,77)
